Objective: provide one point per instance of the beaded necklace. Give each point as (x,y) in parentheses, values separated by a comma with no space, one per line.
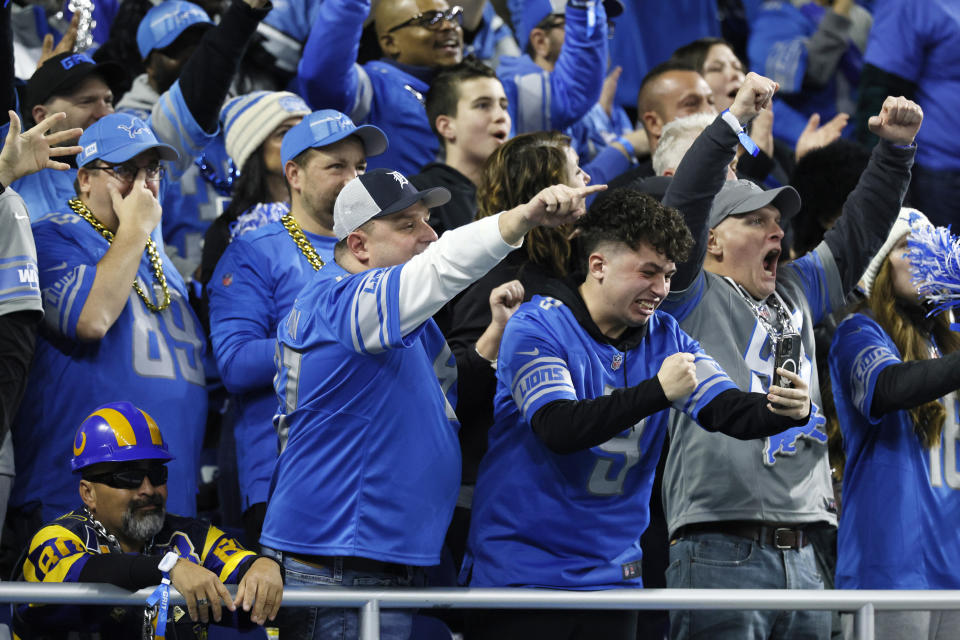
(223,186)
(81,210)
(302,242)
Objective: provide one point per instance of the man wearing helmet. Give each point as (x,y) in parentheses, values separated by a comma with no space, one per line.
(123,535)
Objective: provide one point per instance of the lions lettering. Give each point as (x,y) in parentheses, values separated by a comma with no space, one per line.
(540,377)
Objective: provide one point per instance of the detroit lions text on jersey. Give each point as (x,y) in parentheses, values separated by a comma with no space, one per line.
(151,359)
(897,495)
(370,464)
(571,521)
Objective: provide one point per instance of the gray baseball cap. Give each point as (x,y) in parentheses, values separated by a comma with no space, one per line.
(744,196)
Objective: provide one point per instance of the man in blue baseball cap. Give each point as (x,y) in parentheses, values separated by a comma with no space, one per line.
(167,36)
(260,274)
(123,535)
(107,337)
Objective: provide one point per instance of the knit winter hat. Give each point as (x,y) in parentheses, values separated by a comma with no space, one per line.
(249,119)
(908,220)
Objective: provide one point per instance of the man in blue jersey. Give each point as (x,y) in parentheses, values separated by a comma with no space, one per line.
(260,274)
(103,337)
(585,376)
(742,514)
(369,469)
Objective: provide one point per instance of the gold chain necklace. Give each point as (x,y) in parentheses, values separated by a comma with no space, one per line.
(81,210)
(302,242)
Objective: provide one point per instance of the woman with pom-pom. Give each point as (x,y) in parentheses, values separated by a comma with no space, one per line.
(895,371)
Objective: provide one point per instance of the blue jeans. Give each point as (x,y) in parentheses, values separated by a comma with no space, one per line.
(304,623)
(720,561)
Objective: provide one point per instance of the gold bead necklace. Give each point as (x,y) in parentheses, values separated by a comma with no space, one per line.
(81,210)
(302,241)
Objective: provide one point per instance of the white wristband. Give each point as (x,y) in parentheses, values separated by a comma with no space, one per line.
(166,564)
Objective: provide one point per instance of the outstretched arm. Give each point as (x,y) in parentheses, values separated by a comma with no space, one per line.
(327,76)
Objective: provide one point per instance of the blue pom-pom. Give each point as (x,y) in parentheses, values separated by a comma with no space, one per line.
(934,257)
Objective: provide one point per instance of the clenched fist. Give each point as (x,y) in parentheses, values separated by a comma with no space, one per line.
(678,375)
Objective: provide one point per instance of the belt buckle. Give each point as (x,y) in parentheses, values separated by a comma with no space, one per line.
(776,539)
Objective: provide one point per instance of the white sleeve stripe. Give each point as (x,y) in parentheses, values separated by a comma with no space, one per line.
(383,310)
(364,99)
(703,388)
(368,313)
(533,102)
(524,403)
(354,322)
(549,360)
(71,292)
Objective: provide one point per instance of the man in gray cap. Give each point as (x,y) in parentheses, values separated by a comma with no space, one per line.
(742,514)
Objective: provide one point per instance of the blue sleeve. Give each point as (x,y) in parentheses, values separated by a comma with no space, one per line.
(815,281)
(901,35)
(573,86)
(327,76)
(712,380)
(363,311)
(607,165)
(66,275)
(242,335)
(533,367)
(859,352)
(777,46)
(173,124)
(294,17)
(681,303)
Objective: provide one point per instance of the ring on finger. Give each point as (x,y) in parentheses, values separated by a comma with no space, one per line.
(202,602)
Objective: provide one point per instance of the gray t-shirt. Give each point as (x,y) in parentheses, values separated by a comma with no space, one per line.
(19,282)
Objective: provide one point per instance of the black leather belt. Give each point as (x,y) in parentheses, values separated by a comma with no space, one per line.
(352,563)
(771,534)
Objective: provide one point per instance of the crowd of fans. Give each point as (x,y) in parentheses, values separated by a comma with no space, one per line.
(566,294)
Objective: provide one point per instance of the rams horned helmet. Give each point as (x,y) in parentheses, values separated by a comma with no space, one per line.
(118,432)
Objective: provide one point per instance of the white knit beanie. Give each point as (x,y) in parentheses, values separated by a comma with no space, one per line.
(908,220)
(249,119)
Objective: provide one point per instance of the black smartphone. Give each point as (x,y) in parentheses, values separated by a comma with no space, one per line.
(786,356)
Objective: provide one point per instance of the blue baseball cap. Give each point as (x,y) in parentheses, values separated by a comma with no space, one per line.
(165,22)
(527,14)
(378,193)
(327,126)
(119,137)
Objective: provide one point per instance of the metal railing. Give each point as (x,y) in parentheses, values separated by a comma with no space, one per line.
(370,601)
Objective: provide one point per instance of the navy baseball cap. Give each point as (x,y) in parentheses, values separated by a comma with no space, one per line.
(379,193)
(61,74)
(527,14)
(743,196)
(119,137)
(327,126)
(165,23)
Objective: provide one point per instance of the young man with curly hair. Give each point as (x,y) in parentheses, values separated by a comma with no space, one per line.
(585,375)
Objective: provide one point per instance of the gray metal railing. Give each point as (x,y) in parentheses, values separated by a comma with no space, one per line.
(370,601)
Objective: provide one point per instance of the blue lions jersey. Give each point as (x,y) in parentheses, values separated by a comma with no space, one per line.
(901,502)
(571,521)
(370,461)
(252,289)
(151,359)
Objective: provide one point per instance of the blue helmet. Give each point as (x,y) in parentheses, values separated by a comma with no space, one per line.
(118,432)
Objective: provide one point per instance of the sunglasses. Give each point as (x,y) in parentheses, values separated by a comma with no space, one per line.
(131,478)
(432,19)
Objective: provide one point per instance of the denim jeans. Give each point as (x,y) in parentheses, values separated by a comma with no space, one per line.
(720,561)
(304,623)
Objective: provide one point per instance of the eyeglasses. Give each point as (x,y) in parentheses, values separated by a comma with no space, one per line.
(128,172)
(132,477)
(432,19)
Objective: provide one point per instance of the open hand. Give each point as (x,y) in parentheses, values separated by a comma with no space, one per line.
(31,151)
(814,136)
(898,121)
(67,42)
(202,590)
(261,590)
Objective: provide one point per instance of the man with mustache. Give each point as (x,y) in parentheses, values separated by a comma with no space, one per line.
(123,535)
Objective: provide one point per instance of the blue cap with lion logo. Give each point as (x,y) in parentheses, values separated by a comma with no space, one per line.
(119,137)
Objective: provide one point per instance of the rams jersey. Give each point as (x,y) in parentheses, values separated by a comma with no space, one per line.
(60,550)
(571,521)
(370,461)
(154,360)
(901,502)
(252,289)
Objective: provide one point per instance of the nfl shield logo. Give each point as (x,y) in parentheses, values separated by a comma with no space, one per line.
(227,279)
(617,361)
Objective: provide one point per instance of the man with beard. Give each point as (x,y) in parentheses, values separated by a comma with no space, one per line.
(123,535)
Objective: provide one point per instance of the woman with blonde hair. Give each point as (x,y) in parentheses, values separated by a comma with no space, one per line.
(895,371)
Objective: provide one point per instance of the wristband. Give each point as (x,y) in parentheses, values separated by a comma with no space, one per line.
(161,595)
(626,145)
(742,135)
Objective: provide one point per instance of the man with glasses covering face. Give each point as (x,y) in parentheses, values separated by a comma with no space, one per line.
(416,36)
(123,535)
(105,337)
